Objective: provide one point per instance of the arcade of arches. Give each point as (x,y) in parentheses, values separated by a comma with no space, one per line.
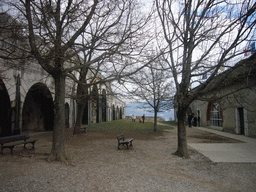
(98,108)
(37,111)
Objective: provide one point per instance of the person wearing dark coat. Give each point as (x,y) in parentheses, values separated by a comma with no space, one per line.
(143,117)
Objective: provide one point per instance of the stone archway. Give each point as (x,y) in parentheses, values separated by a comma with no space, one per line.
(38,109)
(5,111)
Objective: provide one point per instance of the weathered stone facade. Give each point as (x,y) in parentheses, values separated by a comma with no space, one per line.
(235,113)
(27,102)
(230,108)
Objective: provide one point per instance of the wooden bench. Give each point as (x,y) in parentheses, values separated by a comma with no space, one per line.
(11,141)
(122,141)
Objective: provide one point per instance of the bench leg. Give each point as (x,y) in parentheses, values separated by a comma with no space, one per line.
(33,143)
(126,143)
(11,149)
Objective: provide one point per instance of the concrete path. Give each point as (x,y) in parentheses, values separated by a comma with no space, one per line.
(244,152)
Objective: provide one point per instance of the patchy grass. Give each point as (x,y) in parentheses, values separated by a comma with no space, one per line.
(169,122)
(129,128)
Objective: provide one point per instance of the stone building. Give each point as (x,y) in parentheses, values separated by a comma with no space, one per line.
(231,107)
(27,102)
(235,113)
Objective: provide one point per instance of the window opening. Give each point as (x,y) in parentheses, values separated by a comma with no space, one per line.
(215,119)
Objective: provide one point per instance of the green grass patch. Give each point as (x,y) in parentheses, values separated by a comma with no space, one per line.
(131,129)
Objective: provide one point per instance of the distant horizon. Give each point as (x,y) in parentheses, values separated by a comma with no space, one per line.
(136,108)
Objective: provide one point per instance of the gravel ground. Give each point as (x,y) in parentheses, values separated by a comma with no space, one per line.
(97,165)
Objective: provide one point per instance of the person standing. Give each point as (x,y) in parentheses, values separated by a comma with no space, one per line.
(143,118)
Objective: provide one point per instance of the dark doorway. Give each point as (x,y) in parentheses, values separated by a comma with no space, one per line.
(241,119)
(198,118)
(121,113)
(114,112)
(117,113)
(38,109)
(67,115)
(97,113)
(5,111)
(104,106)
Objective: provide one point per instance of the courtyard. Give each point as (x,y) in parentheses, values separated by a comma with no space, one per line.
(95,164)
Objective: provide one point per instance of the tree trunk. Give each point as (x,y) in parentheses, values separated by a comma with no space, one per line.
(182,150)
(58,144)
(155,121)
(82,94)
(80,110)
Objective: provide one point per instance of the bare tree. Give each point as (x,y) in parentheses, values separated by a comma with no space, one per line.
(115,33)
(55,30)
(201,37)
(154,86)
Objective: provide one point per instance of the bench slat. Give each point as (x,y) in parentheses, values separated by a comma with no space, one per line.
(13,138)
(13,144)
(19,142)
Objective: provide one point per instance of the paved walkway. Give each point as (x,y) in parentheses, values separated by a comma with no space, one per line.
(244,152)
